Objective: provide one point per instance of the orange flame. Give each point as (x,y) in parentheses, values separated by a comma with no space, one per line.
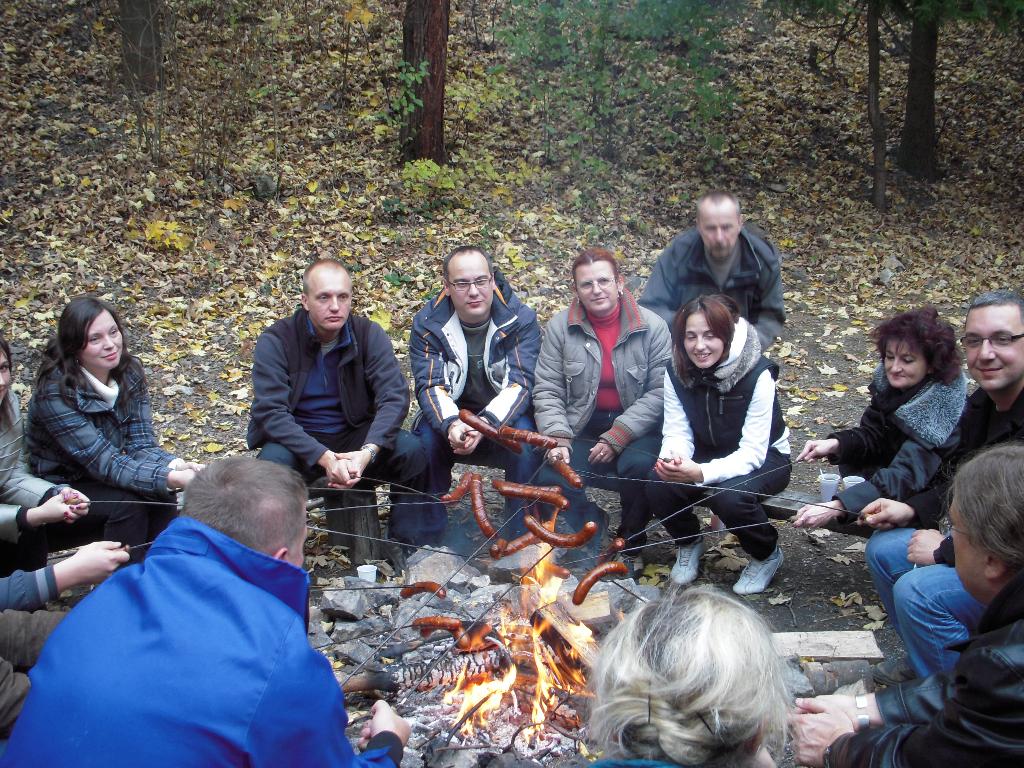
(553,674)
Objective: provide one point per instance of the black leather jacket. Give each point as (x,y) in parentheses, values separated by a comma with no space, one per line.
(970,716)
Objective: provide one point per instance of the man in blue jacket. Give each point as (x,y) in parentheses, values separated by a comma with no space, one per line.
(720,255)
(473,346)
(329,396)
(199,656)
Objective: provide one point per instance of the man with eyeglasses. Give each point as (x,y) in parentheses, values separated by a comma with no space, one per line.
(473,346)
(720,255)
(912,564)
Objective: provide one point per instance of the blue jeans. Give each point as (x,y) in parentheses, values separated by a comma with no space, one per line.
(928,606)
(414,521)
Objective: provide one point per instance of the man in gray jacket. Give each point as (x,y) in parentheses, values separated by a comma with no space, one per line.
(720,255)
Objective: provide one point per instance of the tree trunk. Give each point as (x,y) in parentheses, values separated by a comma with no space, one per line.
(425,38)
(918,153)
(141,51)
(874,110)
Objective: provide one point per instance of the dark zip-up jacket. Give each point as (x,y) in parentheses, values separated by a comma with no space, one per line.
(370,381)
(440,364)
(930,506)
(681,274)
(905,435)
(972,715)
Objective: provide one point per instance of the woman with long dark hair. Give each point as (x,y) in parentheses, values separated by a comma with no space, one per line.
(89,423)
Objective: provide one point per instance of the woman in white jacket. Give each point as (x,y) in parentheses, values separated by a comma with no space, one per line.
(725,444)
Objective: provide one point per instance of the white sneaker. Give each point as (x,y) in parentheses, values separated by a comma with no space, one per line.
(758,574)
(687,562)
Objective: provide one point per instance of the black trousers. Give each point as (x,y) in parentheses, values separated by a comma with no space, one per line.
(738,505)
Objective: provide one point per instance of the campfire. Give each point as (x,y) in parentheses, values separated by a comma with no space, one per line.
(486,666)
(550,652)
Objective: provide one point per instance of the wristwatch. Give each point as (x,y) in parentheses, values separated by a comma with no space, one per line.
(371,449)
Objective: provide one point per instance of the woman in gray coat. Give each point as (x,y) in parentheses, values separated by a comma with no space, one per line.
(598,389)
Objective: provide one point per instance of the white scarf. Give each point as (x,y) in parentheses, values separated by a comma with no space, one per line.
(108,393)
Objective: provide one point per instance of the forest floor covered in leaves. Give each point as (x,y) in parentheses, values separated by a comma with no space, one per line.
(199,264)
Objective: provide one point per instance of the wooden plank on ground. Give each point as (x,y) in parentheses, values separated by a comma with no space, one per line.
(829,646)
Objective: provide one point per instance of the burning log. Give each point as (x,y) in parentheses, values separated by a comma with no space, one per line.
(571,641)
(426,675)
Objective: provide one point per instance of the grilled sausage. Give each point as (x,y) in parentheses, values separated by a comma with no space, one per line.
(548,494)
(528,437)
(459,490)
(427,624)
(476,502)
(424,586)
(568,473)
(614,547)
(563,540)
(592,577)
(482,426)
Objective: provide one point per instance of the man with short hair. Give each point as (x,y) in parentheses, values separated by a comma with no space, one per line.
(329,396)
(720,255)
(970,715)
(473,346)
(928,606)
(199,656)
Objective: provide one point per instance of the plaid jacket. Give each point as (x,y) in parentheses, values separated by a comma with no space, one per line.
(88,439)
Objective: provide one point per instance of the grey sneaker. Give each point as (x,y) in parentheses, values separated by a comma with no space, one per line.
(892,672)
(758,574)
(687,562)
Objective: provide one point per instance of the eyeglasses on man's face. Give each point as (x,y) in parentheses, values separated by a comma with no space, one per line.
(1003,339)
(462,286)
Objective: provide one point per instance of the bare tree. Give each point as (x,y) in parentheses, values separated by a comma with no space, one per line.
(425,39)
(141,48)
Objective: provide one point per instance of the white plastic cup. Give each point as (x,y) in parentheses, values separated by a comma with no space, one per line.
(851,480)
(367,572)
(829,484)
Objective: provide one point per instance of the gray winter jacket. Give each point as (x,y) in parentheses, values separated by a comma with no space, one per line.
(17,487)
(569,371)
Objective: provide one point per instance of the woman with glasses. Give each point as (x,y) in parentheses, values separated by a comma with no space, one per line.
(917,395)
(89,423)
(598,390)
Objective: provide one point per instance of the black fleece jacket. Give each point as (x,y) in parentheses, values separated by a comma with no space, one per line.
(370,380)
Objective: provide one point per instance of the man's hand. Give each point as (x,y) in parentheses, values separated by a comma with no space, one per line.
(922,546)
(818,449)
(384,719)
(68,505)
(676,470)
(601,453)
(89,565)
(816,515)
(816,723)
(343,470)
(885,514)
(462,438)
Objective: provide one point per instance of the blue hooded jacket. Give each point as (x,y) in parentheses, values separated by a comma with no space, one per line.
(196,657)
